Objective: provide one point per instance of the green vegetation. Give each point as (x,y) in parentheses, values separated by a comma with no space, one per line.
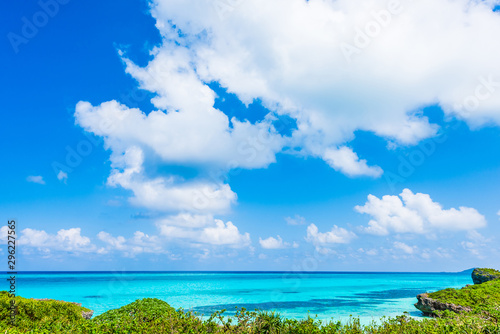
(47,315)
(478,297)
(156,316)
(488,271)
(481,275)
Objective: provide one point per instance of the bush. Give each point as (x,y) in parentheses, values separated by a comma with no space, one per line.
(156,316)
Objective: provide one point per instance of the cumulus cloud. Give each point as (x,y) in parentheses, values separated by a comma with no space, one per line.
(35,179)
(416,213)
(224,234)
(258,52)
(291,55)
(477,244)
(296,220)
(203,230)
(323,241)
(188,134)
(138,244)
(372,252)
(167,193)
(4,232)
(276,243)
(69,240)
(346,161)
(404,247)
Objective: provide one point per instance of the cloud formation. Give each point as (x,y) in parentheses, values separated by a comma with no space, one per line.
(35,179)
(199,230)
(324,241)
(346,161)
(416,213)
(296,220)
(69,240)
(62,176)
(291,56)
(404,247)
(276,243)
(138,244)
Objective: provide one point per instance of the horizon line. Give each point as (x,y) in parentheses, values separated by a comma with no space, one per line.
(233,272)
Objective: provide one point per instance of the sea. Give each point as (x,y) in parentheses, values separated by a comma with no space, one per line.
(325,295)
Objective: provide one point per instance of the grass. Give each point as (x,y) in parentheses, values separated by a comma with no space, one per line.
(486,271)
(489,271)
(483,297)
(479,296)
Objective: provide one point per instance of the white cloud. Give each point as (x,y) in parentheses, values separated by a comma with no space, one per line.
(35,179)
(191,132)
(372,252)
(167,193)
(322,241)
(289,54)
(199,229)
(187,220)
(224,234)
(404,247)
(276,243)
(296,220)
(477,244)
(417,213)
(346,161)
(138,244)
(62,176)
(69,240)
(4,232)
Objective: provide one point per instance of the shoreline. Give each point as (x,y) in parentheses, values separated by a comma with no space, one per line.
(472,307)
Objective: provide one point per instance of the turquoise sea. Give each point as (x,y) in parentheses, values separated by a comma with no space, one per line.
(327,295)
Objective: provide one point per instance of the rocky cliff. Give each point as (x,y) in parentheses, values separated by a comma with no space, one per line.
(483,294)
(428,306)
(481,275)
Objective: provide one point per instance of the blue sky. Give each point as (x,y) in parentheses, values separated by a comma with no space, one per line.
(192,136)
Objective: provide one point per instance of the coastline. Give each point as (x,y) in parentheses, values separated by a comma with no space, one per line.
(367,295)
(480,307)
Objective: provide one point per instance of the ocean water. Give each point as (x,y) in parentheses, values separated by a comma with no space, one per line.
(368,296)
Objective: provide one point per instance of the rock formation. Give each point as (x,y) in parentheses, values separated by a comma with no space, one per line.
(470,295)
(484,275)
(428,306)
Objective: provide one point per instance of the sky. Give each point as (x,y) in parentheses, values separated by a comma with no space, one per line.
(237,135)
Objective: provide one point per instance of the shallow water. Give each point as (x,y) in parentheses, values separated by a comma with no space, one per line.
(328,295)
